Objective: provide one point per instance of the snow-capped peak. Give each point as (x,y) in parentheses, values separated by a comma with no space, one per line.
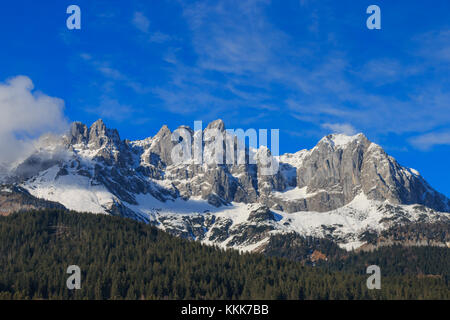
(340,139)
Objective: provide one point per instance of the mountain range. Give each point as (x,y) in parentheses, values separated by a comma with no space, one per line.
(343,189)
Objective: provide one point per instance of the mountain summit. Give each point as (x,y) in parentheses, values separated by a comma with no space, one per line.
(342,188)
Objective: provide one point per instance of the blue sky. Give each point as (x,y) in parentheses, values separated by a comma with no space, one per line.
(306,67)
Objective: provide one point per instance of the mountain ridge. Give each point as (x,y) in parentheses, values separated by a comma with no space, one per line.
(339,189)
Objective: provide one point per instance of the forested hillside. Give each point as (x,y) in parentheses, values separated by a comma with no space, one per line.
(124,259)
(405,254)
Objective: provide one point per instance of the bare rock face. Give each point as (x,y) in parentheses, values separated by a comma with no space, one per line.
(333,167)
(260,213)
(100,136)
(218,181)
(161,148)
(384,179)
(268,182)
(105,142)
(332,171)
(78,133)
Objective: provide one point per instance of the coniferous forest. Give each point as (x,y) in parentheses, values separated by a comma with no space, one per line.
(124,259)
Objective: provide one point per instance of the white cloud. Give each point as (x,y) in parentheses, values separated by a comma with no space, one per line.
(344,128)
(141,22)
(427,141)
(25,115)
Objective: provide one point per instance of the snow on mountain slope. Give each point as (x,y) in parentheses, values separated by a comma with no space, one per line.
(344,225)
(75,192)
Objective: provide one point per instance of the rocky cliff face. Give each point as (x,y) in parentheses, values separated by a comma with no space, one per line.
(339,189)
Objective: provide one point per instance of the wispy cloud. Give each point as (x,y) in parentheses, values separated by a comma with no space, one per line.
(344,128)
(109,108)
(234,36)
(113,74)
(427,141)
(159,37)
(321,83)
(385,71)
(234,45)
(435,45)
(236,57)
(141,22)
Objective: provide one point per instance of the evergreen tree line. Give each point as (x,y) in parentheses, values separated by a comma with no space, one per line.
(124,259)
